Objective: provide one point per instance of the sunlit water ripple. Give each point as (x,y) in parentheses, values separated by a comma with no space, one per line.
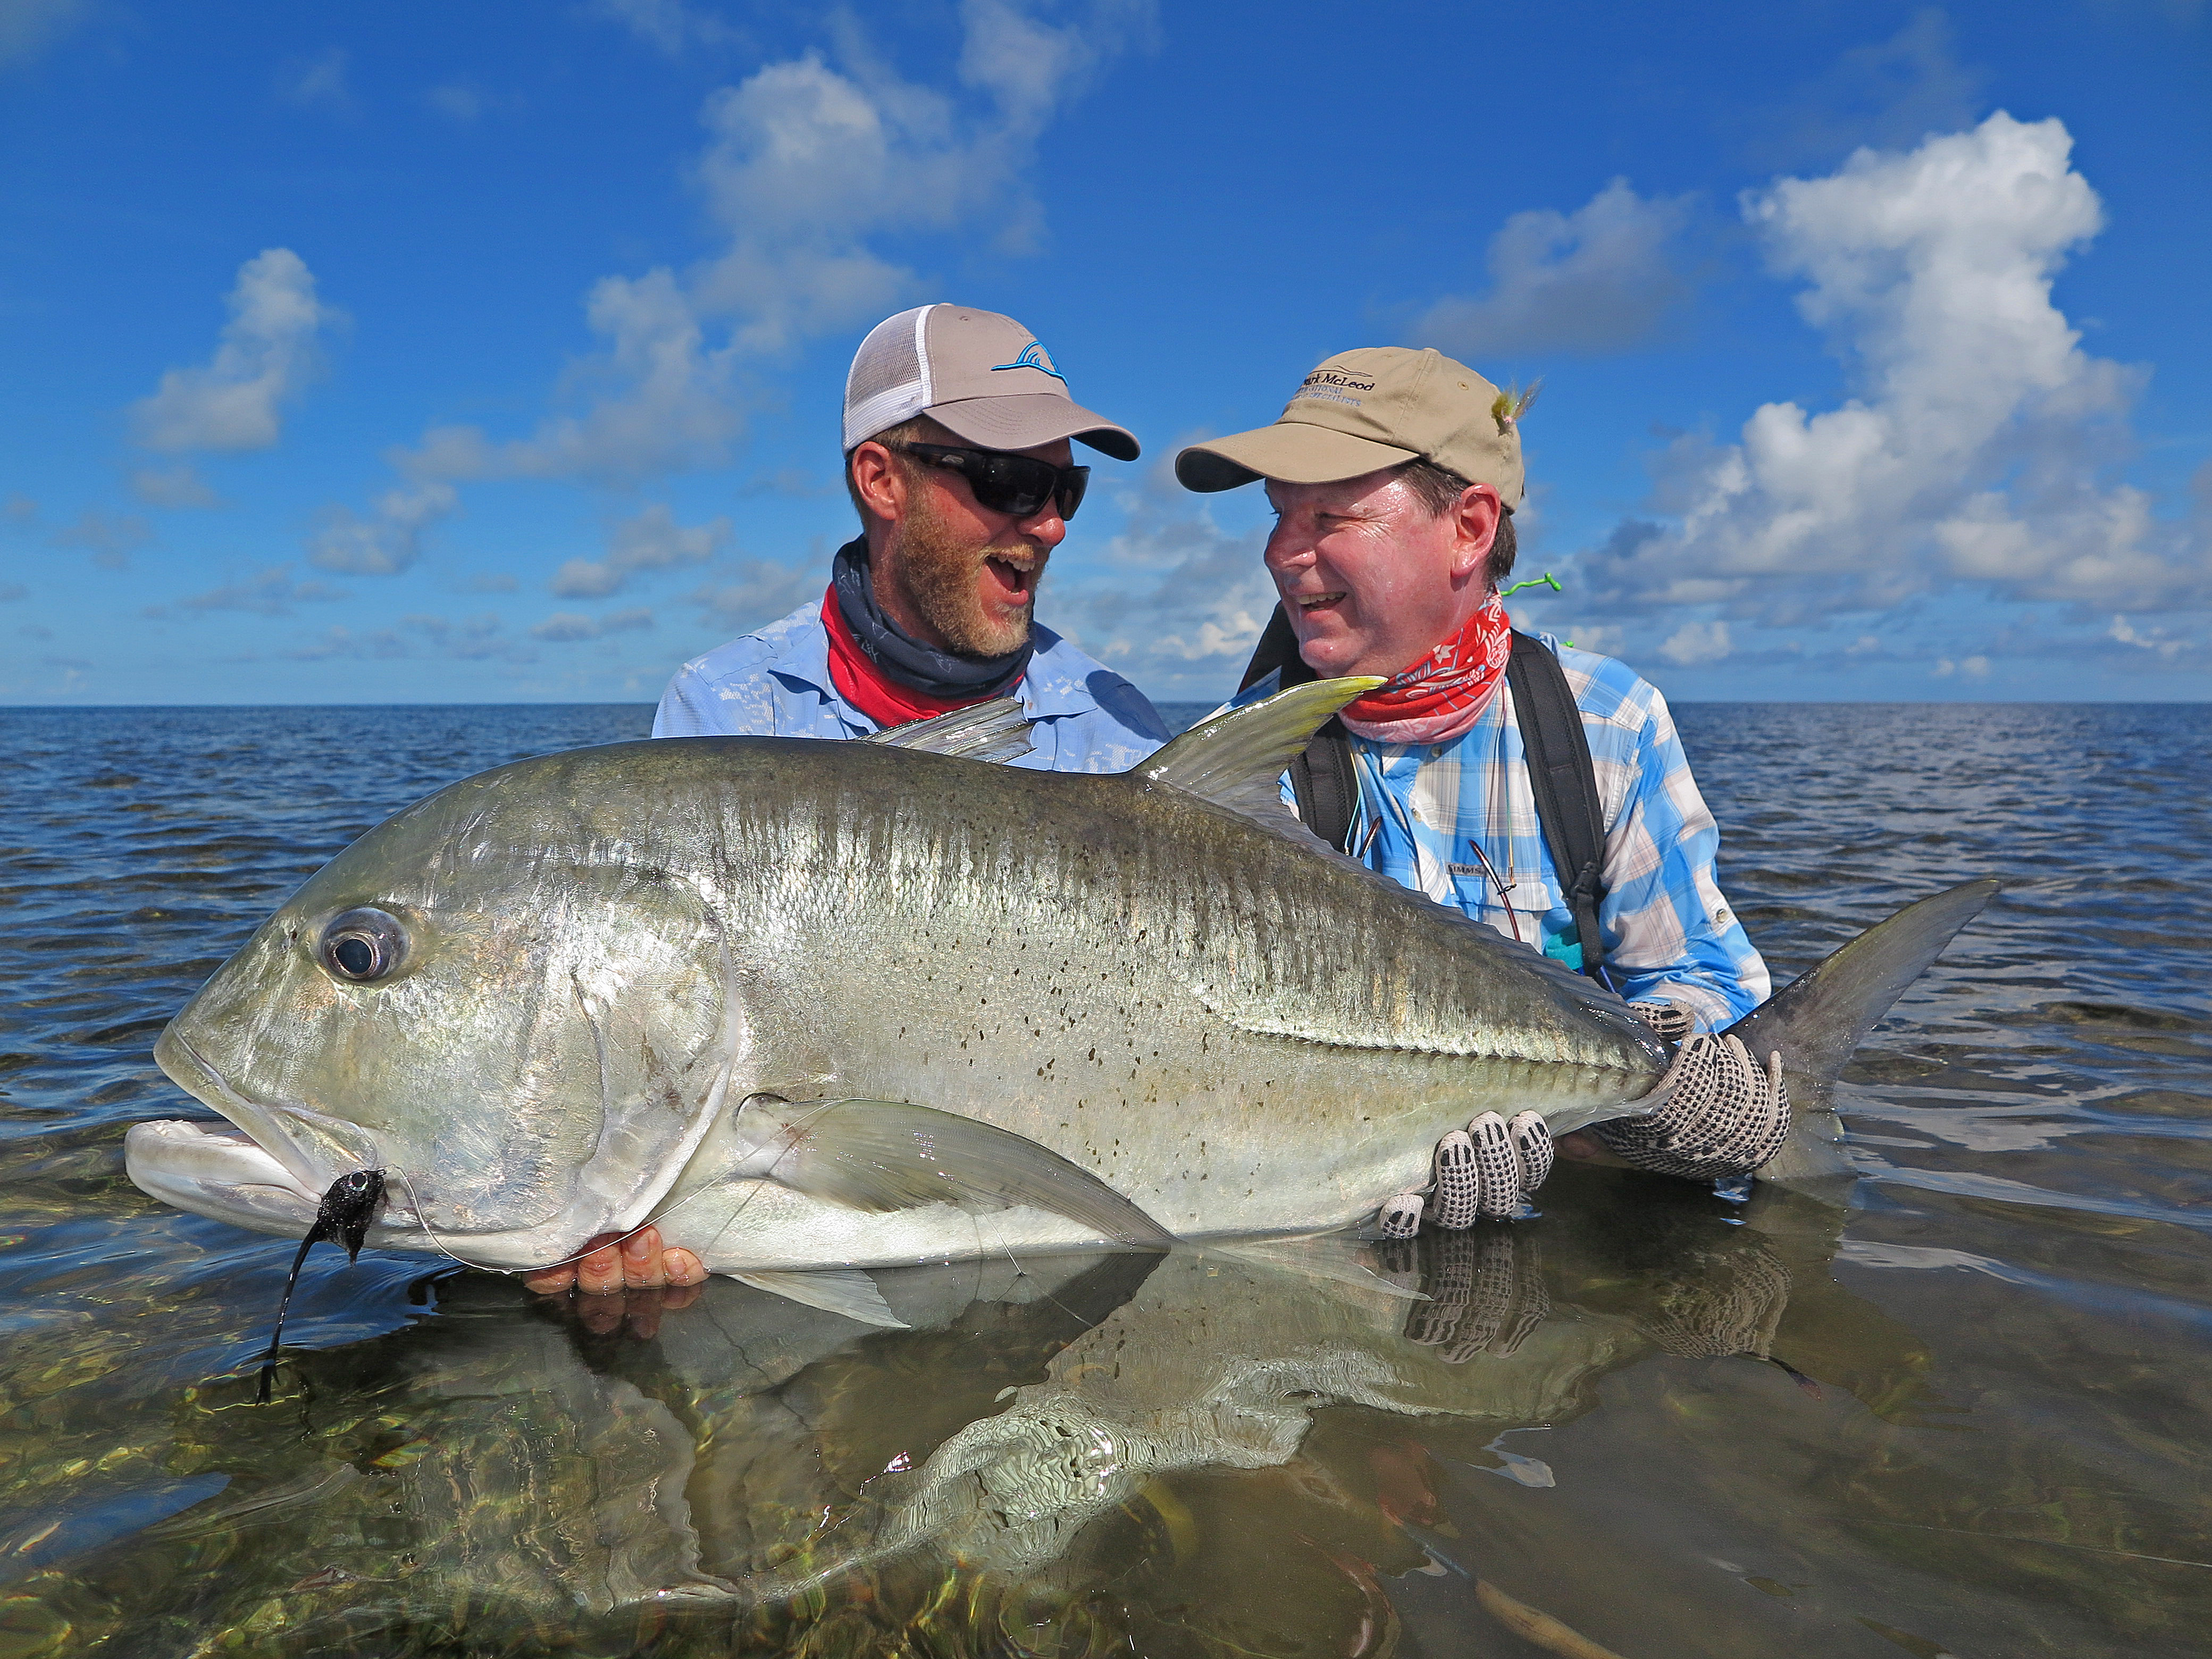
(1968,1417)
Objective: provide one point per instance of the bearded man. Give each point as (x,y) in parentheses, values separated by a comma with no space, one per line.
(958,461)
(1394,474)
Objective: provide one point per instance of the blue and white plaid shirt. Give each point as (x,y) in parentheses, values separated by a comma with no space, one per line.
(1424,809)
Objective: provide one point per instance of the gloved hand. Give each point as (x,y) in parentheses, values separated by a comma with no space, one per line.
(1484,1170)
(1485,1294)
(1721,1114)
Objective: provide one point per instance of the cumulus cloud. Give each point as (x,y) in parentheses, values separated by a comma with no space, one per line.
(316,83)
(750,592)
(1892,94)
(28,27)
(110,540)
(270,592)
(565,627)
(1696,643)
(266,356)
(171,487)
(653,540)
(1978,447)
(805,166)
(1179,602)
(671,24)
(387,540)
(471,639)
(1599,279)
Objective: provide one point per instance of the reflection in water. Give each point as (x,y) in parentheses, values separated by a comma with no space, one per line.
(1969,1415)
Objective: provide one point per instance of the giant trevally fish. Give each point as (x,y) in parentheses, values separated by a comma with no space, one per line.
(815,1007)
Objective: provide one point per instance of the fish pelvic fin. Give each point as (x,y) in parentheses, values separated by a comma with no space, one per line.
(834,1289)
(994,731)
(883,1155)
(1817,1021)
(1236,759)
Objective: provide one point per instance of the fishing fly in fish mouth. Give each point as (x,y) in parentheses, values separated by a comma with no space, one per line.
(1014,976)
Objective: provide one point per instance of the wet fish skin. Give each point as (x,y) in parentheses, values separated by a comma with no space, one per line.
(610,950)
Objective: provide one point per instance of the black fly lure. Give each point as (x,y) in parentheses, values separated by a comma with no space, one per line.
(346,1211)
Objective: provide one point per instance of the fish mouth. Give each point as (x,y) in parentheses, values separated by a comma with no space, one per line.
(313,1147)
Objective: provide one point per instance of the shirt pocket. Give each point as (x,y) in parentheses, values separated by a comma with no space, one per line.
(1518,913)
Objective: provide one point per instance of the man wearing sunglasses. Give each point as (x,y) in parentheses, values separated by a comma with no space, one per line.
(957,459)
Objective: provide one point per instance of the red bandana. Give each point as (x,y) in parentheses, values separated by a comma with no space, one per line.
(1441,695)
(867,687)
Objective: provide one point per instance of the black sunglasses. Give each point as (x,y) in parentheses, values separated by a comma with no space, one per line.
(1016,484)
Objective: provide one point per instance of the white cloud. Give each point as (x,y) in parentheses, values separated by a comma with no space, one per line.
(755,591)
(566,626)
(669,25)
(110,540)
(270,592)
(1599,279)
(171,487)
(2156,640)
(804,165)
(1974,668)
(389,540)
(1180,603)
(653,540)
(1696,643)
(266,356)
(316,83)
(472,639)
(1975,453)
(28,27)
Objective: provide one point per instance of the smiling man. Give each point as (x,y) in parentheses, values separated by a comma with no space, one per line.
(1394,474)
(957,459)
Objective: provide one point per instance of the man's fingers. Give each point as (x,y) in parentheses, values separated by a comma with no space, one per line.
(1498,1165)
(1532,1144)
(600,1272)
(553,1281)
(685,1272)
(1459,1181)
(677,1298)
(643,1268)
(1402,1216)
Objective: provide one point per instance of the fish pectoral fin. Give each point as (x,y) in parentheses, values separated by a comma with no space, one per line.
(1237,758)
(1338,1258)
(838,1290)
(881,1155)
(994,731)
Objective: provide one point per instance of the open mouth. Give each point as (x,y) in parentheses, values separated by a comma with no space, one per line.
(1317,604)
(1013,584)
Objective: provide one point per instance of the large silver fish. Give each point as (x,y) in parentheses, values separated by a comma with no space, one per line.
(817,1007)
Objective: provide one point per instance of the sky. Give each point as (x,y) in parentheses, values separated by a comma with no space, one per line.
(495,353)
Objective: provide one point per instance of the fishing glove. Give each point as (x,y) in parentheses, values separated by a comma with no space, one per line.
(1720,1114)
(1487,1169)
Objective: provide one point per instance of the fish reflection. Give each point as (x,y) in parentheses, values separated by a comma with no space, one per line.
(1236,1445)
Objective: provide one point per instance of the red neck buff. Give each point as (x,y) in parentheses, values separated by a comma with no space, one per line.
(865,686)
(1441,695)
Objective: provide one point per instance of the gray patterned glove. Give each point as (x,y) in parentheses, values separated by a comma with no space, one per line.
(1485,1295)
(1485,1170)
(1721,1114)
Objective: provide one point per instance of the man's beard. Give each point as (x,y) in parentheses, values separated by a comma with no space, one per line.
(939,570)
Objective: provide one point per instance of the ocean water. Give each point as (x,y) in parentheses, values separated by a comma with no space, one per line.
(1968,1415)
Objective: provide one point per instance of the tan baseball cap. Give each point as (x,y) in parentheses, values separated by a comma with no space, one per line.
(982,375)
(1363,411)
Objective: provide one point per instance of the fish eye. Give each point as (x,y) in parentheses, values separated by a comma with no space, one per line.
(362,944)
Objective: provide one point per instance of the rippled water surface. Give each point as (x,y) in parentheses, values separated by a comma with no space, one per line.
(1968,1416)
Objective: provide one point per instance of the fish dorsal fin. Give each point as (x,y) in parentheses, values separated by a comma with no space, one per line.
(996,732)
(1236,758)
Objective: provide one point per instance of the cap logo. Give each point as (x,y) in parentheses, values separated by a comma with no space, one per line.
(1033,357)
(1334,386)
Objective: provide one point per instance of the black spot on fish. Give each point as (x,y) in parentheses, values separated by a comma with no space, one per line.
(343,1218)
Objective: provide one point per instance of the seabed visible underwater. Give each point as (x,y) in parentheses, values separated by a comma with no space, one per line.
(1968,1415)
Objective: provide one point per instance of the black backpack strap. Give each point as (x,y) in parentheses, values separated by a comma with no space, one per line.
(1566,784)
(1322,779)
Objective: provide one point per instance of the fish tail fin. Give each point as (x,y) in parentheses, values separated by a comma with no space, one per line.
(1817,1021)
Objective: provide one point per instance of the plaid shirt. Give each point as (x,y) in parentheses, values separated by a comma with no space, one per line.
(1424,810)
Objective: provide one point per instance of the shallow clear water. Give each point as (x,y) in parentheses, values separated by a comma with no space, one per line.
(1969,1416)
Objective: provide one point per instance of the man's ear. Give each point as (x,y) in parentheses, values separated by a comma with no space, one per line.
(1475,527)
(879,481)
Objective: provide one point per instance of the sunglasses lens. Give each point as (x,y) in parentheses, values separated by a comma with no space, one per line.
(1073,481)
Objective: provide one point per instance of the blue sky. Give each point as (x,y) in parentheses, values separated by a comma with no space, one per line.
(494,352)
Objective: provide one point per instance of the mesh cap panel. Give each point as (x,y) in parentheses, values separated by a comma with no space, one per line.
(889,381)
